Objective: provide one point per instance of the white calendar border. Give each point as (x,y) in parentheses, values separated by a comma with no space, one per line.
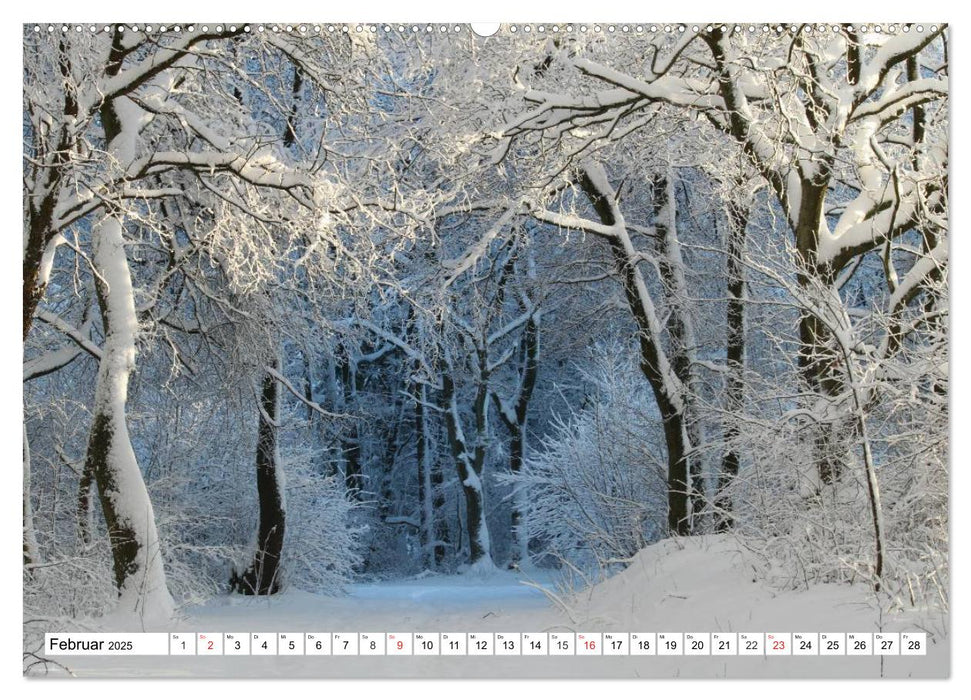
(439,10)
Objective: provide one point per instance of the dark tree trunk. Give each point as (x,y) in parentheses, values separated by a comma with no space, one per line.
(678,487)
(672,415)
(262,576)
(351,442)
(426,507)
(529,359)
(124,539)
(84,507)
(438,505)
(929,240)
(424,482)
(817,359)
(516,454)
(473,517)
(31,555)
(40,212)
(735,359)
(680,331)
(469,467)
(308,389)
(392,450)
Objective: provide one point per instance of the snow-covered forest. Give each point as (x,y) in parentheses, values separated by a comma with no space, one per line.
(306,306)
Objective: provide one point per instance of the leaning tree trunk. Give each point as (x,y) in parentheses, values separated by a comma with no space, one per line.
(735,359)
(136,552)
(654,363)
(262,576)
(128,513)
(873,482)
(683,344)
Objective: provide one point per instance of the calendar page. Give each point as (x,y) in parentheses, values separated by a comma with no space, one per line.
(515,350)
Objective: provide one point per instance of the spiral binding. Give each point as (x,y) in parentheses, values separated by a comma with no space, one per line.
(546,29)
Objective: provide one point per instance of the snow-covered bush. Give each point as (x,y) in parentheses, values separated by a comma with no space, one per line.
(596,485)
(813,530)
(322,546)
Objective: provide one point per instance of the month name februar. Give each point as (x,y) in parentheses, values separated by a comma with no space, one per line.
(58,644)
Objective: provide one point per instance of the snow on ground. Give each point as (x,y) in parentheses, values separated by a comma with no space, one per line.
(700,584)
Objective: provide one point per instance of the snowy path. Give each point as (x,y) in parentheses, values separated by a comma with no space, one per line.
(432,604)
(694,585)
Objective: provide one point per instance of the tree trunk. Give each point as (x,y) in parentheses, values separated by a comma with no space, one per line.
(262,577)
(84,513)
(425,487)
(351,442)
(469,471)
(331,466)
(516,425)
(520,527)
(653,361)
(42,239)
(136,551)
(817,364)
(353,476)
(680,329)
(128,513)
(679,521)
(873,482)
(31,551)
(438,505)
(735,359)
(38,260)
(817,358)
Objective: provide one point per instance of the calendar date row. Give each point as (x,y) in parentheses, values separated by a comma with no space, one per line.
(488,644)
